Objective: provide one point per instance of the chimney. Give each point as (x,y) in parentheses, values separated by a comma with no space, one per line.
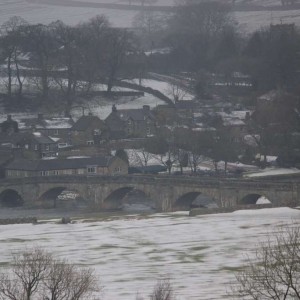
(146,107)
(40,117)
(114,108)
(33,128)
(247,117)
(9,118)
(90,114)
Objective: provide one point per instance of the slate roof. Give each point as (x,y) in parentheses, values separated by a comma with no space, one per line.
(42,139)
(47,123)
(85,122)
(24,137)
(58,123)
(185,104)
(60,164)
(134,114)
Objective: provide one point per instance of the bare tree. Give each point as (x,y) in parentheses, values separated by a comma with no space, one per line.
(176,91)
(92,47)
(36,274)
(69,60)
(140,157)
(11,38)
(194,32)
(29,270)
(43,46)
(150,25)
(118,46)
(274,272)
(163,290)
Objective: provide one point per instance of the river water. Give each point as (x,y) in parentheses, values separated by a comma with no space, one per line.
(198,254)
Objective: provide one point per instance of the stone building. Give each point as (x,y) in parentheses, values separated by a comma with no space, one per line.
(89,130)
(56,127)
(125,123)
(101,165)
(33,144)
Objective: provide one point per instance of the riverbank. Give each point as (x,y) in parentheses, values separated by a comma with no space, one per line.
(36,216)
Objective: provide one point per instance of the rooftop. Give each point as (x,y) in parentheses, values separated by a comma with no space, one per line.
(60,164)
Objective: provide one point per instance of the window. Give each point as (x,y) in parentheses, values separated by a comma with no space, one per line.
(117,170)
(97,131)
(47,147)
(44,173)
(90,143)
(36,147)
(55,132)
(148,130)
(91,169)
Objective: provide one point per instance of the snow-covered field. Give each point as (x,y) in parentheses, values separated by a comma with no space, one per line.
(199,254)
(43,13)
(254,20)
(273,172)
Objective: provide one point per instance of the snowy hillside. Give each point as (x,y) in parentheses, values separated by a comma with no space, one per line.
(73,12)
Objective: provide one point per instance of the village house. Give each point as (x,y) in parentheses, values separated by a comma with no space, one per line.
(101,165)
(185,108)
(57,127)
(89,130)
(235,124)
(32,144)
(9,126)
(125,123)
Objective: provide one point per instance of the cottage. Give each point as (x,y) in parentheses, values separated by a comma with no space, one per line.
(35,143)
(88,166)
(9,126)
(131,122)
(185,108)
(89,130)
(56,127)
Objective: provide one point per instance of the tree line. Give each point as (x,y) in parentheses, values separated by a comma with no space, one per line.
(72,57)
(202,38)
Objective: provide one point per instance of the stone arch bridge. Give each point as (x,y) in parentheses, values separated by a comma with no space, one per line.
(168,192)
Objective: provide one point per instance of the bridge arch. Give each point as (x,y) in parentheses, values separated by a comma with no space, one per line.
(11,198)
(128,198)
(194,199)
(254,198)
(61,196)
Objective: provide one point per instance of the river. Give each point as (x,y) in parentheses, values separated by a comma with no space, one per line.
(198,254)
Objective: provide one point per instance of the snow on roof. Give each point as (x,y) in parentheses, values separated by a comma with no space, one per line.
(198,115)
(273,95)
(237,114)
(251,140)
(203,128)
(233,122)
(158,51)
(55,139)
(58,123)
